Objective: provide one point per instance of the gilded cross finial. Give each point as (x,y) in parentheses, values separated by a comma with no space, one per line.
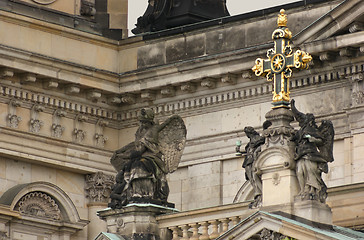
(281,59)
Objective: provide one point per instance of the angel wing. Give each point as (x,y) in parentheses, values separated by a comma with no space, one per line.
(300,117)
(327,130)
(122,156)
(172,140)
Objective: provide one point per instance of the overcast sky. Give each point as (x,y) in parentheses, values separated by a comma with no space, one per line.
(235,7)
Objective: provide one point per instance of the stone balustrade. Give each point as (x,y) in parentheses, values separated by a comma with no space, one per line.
(203,224)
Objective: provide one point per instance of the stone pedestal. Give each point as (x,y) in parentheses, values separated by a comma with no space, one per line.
(275,163)
(313,210)
(134,221)
(276,166)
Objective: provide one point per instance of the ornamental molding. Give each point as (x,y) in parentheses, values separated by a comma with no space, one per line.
(40,205)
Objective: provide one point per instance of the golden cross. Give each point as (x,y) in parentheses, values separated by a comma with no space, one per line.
(281,59)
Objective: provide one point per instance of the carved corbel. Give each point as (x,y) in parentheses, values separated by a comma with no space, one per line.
(347,52)
(168,91)
(327,56)
(57,128)
(28,78)
(13,118)
(188,87)
(6,72)
(147,95)
(99,132)
(247,75)
(78,133)
(208,83)
(128,99)
(229,78)
(93,95)
(35,124)
(72,89)
(114,100)
(356,27)
(50,84)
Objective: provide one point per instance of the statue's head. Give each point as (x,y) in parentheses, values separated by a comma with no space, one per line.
(146,114)
(250,131)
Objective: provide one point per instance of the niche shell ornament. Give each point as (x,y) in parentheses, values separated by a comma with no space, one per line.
(44,2)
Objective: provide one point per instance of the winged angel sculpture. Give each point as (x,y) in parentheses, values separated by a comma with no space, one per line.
(314,149)
(142,165)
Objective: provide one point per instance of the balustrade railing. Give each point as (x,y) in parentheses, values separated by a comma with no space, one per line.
(204,224)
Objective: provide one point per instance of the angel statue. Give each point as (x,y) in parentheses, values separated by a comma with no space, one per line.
(142,165)
(314,149)
(251,153)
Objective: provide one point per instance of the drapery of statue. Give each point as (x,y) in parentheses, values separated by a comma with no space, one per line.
(278,68)
(314,149)
(142,165)
(250,155)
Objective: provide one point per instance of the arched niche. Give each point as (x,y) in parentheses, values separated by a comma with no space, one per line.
(45,201)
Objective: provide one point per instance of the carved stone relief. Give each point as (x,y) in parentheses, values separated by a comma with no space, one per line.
(13,118)
(38,204)
(357,93)
(78,133)
(35,123)
(57,128)
(99,132)
(98,187)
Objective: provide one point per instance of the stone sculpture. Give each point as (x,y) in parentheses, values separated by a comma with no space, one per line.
(142,165)
(314,149)
(252,150)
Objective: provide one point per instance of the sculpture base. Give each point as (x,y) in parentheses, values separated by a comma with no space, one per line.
(313,210)
(134,221)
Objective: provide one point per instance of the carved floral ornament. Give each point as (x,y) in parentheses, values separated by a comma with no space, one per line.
(38,204)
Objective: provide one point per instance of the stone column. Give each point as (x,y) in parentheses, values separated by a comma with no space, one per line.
(275,163)
(98,189)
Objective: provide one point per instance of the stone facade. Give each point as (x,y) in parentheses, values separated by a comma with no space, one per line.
(70,97)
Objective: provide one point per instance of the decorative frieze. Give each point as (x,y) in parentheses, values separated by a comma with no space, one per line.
(57,128)
(87,8)
(356,27)
(99,186)
(267,234)
(327,56)
(347,52)
(13,118)
(39,205)
(114,100)
(35,124)
(100,139)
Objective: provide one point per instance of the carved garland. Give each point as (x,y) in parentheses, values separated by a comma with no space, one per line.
(38,204)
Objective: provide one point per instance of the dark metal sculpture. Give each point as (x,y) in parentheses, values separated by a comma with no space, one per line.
(163,14)
(314,149)
(251,153)
(142,165)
